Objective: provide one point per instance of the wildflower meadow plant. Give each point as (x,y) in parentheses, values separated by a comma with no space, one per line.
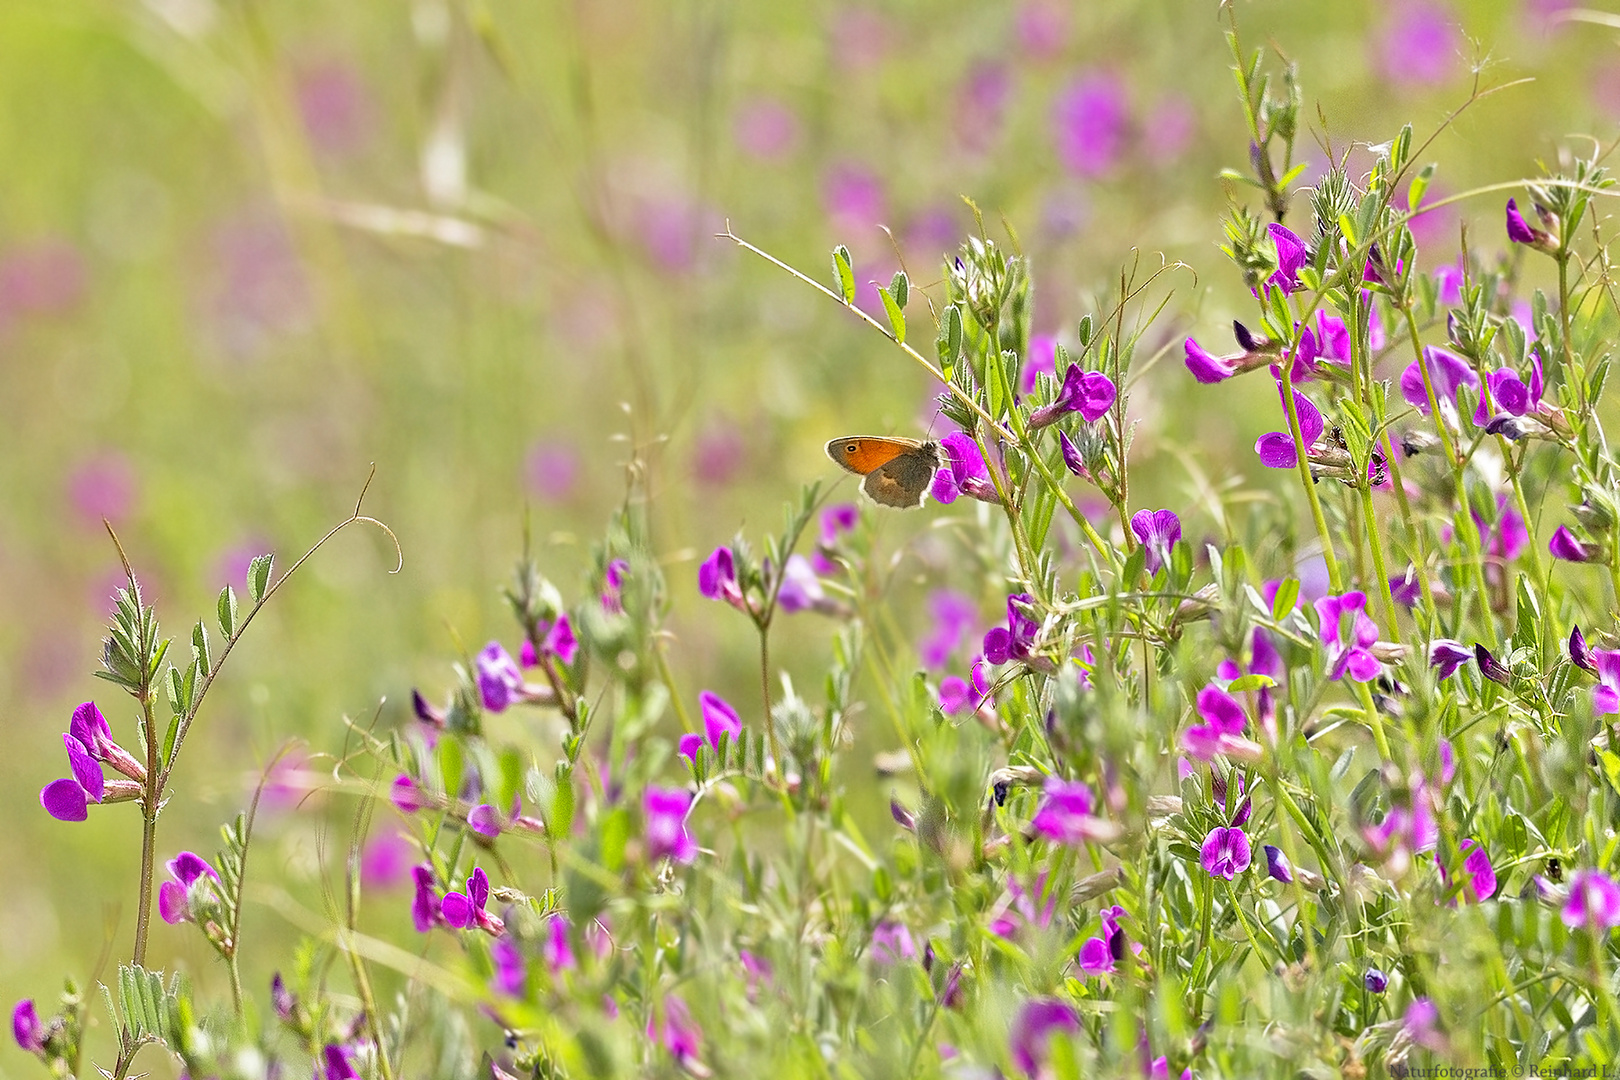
(1333,792)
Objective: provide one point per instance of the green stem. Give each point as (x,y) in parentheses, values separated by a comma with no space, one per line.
(1370,523)
(1335,579)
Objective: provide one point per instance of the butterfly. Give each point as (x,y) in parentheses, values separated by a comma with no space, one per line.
(897,471)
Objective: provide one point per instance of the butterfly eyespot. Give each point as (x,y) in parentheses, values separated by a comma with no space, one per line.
(851,448)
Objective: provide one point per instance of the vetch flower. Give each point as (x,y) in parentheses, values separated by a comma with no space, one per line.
(801,589)
(282,1000)
(665,810)
(1448,373)
(557,949)
(560,640)
(406,796)
(1565,546)
(1098,954)
(1594,901)
(1348,631)
(1478,876)
(1606,694)
(1292,255)
(1276,448)
(954,614)
(462,910)
(511,971)
(484,820)
(717,579)
(90,744)
(1446,656)
(1419,45)
(26,1027)
(1520,232)
(339,1062)
(1158,531)
(177,898)
(500,682)
(1088,124)
(963,471)
(1222,729)
(673,1028)
(1013,641)
(1490,667)
(1041,357)
(1021,909)
(1072,458)
(1579,654)
(1208,368)
(719,718)
(1375,981)
(957,695)
(1032,1031)
(1225,852)
(891,943)
(1089,393)
(425,907)
(1065,814)
(1277,865)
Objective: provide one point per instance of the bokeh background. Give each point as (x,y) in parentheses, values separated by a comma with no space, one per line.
(249,248)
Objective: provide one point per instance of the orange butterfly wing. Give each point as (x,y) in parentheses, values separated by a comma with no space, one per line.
(863,453)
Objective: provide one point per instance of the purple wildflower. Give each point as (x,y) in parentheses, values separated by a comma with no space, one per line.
(1419,45)
(1222,729)
(1021,909)
(553,470)
(425,903)
(1606,694)
(1206,367)
(1033,1030)
(1098,954)
(1448,373)
(90,744)
(406,796)
(1277,865)
(339,1062)
(1276,448)
(1479,877)
(1374,981)
(1158,531)
(957,695)
(1088,124)
(1292,255)
(191,873)
(1594,901)
(801,589)
(1519,230)
(462,910)
(1065,814)
(1072,460)
(891,943)
(26,1027)
(484,820)
(1565,546)
(719,718)
(1490,667)
(1013,641)
(1446,656)
(964,471)
(1225,852)
(500,682)
(717,579)
(511,972)
(1041,357)
(953,614)
(557,949)
(766,129)
(666,810)
(1089,393)
(1579,654)
(1347,631)
(674,1029)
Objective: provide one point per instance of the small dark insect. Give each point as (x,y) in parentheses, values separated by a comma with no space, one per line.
(1554,869)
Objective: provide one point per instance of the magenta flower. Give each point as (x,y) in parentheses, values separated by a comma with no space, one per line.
(560,640)
(1088,124)
(1032,1031)
(1021,911)
(957,695)
(425,902)
(1013,641)
(1042,28)
(1276,448)
(1225,852)
(462,910)
(339,1062)
(1089,393)
(191,874)
(1347,631)
(1072,458)
(1519,230)
(1511,394)
(719,718)
(1158,531)
(717,579)
(1277,865)
(1447,372)
(1565,546)
(1208,368)
(675,1030)
(385,860)
(1594,901)
(1579,654)
(1292,255)
(1042,357)
(1479,877)
(1446,656)
(553,470)
(1098,954)
(981,99)
(1606,694)
(1419,45)
(612,583)
(26,1027)
(853,196)
(511,971)
(102,487)
(954,615)
(891,943)
(1065,814)
(1222,729)
(766,129)
(90,745)
(1404,830)
(964,471)
(801,589)
(484,820)
(666,810)
(557,949)
(500,682)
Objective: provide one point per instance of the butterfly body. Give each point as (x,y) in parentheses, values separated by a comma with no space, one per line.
(897,472)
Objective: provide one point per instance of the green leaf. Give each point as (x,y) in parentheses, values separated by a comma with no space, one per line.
(995,382)
(1287,596)
(199,647)
(259,578)
(844,274)
(897,318)
(560,823)
(900,286)
(1527,633)
(452,763)
(1611,767)
(1250,682)
(1347,229)
(227,611)
(1420,185)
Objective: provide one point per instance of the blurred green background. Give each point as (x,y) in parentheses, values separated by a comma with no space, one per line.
(249,248)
